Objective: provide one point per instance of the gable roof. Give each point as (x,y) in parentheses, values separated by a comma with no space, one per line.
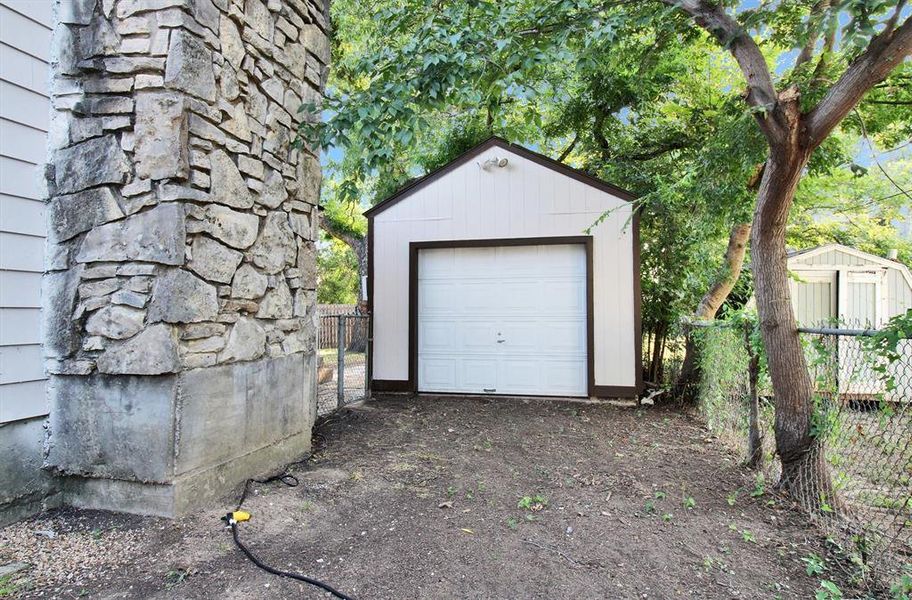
(499,142)
(885,262)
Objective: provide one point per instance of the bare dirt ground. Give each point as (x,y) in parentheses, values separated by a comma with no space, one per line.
(457,498)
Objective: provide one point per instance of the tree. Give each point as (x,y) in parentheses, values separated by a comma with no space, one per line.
(338,274)
(344,224)
(610,86)
(793,132)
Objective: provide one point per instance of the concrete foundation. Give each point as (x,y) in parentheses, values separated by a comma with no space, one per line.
(24,487)
(166,444)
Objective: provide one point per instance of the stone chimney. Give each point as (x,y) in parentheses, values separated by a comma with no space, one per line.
(179,302)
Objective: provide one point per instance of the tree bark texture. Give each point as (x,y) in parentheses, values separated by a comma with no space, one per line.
(788,370)
(754,435)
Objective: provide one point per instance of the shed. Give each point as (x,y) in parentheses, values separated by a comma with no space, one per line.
(505,272)
(836,285)
(839,284)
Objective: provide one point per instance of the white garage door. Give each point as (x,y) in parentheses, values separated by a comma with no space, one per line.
(503,320)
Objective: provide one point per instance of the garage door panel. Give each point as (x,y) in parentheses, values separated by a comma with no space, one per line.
(520,260)
(478,374)
(564,375)
(521,376)
(477,296)
(438,374)
(441,266)
(438,336)
(518,297)
(533,298)
(477,336)
(522,336)
(564,339)
(472,262)
(436,298)
(562,261)
(564,298)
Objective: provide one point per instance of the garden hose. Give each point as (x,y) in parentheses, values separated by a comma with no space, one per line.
(239,516)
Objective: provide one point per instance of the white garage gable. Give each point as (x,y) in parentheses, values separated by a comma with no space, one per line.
(505,272)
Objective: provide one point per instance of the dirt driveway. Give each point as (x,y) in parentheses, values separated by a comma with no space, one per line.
(456,498)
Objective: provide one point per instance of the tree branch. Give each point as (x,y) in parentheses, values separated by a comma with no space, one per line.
(807,52)
(341,232)
(884,53)
(563,155)
(760,90)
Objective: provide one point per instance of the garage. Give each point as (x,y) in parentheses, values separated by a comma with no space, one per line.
(503,319)
(505,273)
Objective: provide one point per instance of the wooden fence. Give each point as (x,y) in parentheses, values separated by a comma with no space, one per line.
(329,324)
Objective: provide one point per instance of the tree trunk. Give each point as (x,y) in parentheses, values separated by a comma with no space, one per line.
(358,244)
(689,377)
(754,435)
(655,364)
(804,472)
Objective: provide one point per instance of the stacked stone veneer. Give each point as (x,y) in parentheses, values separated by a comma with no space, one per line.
(179,300)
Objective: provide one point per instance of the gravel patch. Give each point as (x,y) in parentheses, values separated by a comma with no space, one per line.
(70,549)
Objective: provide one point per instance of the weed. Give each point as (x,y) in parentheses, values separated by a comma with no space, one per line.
(7,586)
(747,536)
(534,503)
(759,486)
(667,517)
(512,523)
(175,577)
(814,565)
(732,498)
(650,506)
(660,495)
(902,589)
(450,491)
(356,476)
(689,503)
(828,591)
(96,534)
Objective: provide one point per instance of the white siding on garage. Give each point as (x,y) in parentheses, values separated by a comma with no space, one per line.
(25,42)
(522,200)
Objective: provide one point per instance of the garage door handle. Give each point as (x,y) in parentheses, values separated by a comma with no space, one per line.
(490,389)
(501,341)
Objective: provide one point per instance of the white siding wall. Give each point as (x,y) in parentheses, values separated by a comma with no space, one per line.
(25,42)
(521,200)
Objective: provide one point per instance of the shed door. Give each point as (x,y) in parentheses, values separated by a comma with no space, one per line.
(503,320)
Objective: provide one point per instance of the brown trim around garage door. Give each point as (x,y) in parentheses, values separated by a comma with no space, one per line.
(414,247)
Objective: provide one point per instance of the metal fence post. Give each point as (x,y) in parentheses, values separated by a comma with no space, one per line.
(340,363)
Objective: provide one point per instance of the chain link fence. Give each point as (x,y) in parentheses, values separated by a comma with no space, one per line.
(862,423)
(344,354)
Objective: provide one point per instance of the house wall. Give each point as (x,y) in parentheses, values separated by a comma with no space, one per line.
(524,199)
(25,44)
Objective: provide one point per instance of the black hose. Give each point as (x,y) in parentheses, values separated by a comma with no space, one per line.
(268,569)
